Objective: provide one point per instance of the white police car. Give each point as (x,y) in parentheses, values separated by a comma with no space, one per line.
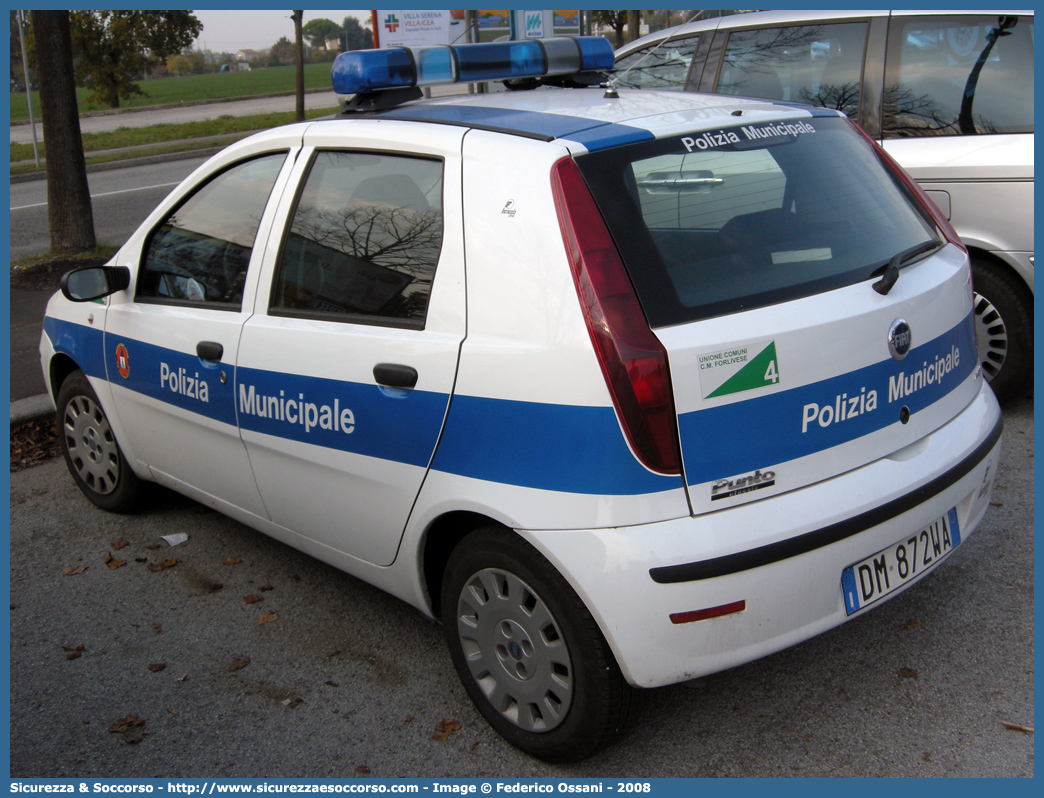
(625,387)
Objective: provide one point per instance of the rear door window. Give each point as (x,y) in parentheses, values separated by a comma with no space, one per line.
(364,240)
(749,216)
(958,75)
(817,65)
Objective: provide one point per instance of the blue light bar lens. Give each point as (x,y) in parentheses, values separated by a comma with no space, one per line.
(361,71)
(435,64)
(596,53)
(500,60)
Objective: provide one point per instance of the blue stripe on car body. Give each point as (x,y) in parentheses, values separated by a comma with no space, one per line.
(576,449)
(739,437)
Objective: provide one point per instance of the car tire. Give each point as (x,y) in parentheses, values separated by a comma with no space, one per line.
(1003,328)
(91,451)
(529,653)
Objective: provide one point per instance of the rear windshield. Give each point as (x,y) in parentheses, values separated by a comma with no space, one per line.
(749,216)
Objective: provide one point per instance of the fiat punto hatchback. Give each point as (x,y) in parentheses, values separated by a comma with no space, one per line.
(624,387)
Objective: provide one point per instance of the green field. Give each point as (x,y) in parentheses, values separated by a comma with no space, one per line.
(192,88)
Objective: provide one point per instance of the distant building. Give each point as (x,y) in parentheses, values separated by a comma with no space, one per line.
(247,55)
(332,43)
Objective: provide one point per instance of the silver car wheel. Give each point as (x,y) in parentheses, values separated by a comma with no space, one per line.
(515,651)
(91,445)
(991,335)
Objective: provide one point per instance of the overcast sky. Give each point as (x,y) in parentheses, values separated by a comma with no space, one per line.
(228,31)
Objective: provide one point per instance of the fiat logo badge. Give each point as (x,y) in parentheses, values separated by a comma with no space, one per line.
(900,339)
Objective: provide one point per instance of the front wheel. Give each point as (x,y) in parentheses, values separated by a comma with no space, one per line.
(91,452)
(530,655)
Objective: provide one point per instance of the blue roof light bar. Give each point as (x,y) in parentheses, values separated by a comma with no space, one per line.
(365,71)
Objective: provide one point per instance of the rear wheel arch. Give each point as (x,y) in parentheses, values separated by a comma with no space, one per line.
(440,540)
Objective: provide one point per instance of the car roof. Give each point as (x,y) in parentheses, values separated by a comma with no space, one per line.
(761,18)
(594,117)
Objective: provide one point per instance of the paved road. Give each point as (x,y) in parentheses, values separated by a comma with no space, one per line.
(346,676)
(121,201)
(104,123)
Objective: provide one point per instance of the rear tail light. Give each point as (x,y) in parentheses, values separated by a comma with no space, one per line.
(926,202)
(633,361)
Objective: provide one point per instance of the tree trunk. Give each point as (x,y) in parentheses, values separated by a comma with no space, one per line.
(69,214)
(298,17)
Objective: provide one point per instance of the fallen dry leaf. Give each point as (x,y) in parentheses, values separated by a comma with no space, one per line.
(157,567)
(156,667)
(112,562)
(444,730)
(265,588)
(1017,727)
(238,664)
(127,723)
(231,561)
(120,544)
(907,673)
(269,618)
(79,569)
(362,769)
(32,443)
(252,599)
(73,652)
(131,728)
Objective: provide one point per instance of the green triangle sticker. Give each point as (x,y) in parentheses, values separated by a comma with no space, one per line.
(760,371)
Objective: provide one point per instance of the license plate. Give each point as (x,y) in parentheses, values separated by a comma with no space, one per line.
(887,571)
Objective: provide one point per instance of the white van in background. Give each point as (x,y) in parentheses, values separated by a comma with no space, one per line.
(948,94)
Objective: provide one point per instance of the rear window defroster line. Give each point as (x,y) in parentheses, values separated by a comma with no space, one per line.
(784,549)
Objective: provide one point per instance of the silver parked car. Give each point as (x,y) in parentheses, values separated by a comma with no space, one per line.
(949,95)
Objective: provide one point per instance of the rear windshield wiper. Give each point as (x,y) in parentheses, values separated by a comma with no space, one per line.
(891,272)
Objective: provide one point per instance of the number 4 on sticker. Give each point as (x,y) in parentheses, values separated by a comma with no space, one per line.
(771,375)
(759,371)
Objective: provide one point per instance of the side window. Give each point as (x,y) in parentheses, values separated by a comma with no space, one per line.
(364,240)
(958,75)
(664,66)
(818,65)
(201,251)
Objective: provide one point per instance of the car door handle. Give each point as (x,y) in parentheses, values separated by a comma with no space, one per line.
(209,350)
(392,375)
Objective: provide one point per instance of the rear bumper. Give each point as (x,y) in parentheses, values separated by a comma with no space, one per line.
(781,557)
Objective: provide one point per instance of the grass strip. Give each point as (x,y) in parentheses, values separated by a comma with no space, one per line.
(194,88)
(102,253)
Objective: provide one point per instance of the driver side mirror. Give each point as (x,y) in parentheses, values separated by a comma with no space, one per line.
(94,282)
